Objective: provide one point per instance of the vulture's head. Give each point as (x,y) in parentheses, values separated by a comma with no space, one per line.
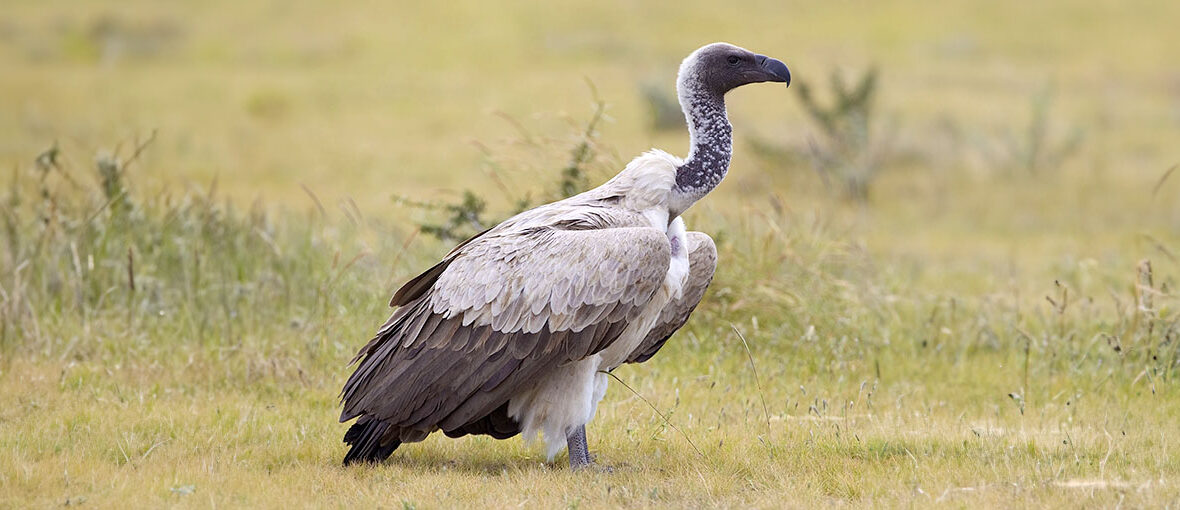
(720,67)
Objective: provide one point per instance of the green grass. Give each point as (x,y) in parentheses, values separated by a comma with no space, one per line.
(176,333)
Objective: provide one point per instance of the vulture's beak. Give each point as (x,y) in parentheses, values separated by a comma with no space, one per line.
(775,70)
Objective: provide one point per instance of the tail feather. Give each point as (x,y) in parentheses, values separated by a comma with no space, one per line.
(366,438)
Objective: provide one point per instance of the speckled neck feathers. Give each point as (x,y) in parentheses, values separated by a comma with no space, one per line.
(710,139)
(711,145)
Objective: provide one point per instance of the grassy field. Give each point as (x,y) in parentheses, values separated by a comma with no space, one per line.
(206,207)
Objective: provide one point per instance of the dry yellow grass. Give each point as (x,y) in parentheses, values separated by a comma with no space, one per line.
(907,353)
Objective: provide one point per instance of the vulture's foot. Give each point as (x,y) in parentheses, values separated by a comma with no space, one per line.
(580,458)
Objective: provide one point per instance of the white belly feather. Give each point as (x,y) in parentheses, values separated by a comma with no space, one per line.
(569,396)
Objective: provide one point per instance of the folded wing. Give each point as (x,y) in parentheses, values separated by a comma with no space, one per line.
(499,311)
(702,261)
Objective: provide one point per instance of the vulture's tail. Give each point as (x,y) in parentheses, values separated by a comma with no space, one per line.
(366,436)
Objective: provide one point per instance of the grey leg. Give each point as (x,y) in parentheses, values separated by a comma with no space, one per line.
(576,444)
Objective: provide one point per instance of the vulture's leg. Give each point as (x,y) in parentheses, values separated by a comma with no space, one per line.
(575,442)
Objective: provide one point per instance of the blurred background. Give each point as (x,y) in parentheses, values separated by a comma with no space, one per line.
(951,244)
(370,101)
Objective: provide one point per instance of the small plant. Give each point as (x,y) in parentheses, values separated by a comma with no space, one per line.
(573,177)
(468,216)
(847,153)
(851,149)
(463,218)
(1036,149)
(111,170)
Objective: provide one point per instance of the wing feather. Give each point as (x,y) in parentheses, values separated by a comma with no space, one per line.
(702,261)
(504,308)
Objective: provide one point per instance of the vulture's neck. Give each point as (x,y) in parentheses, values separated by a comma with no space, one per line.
(711,146)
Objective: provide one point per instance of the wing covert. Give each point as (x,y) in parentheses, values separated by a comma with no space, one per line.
(702,262)
(503,309)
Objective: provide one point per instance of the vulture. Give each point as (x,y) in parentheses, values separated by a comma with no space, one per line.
(513,331)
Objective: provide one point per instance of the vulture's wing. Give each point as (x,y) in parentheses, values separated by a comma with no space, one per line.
(702,261)
(498,312)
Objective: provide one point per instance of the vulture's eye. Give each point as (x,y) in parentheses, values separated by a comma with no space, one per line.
(734,59)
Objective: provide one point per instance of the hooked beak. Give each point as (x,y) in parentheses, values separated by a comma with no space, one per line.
(775,70)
